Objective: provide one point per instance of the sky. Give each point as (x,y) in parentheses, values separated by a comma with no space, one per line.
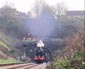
(26,5)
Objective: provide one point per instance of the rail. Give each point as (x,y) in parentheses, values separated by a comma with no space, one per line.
(18,66)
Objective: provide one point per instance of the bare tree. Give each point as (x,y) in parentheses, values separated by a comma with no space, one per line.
(60,9)
(38,7)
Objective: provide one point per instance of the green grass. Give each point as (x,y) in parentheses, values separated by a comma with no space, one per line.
(8,38)
(6,42)
(4,45)
(3,37)
(3,41)
(8,61)
(2,53)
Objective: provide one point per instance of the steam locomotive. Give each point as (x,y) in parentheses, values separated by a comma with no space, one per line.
(39,59)
(42,56)
(45,58)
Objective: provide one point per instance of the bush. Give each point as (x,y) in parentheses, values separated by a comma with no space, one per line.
(77,62)
(62,64)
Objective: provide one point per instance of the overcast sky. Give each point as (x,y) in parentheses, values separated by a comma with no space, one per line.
(26,5)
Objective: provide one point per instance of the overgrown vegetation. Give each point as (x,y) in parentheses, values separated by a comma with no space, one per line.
(72,56)
(77,62)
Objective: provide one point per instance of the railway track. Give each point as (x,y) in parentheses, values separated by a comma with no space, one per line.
(19,66)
